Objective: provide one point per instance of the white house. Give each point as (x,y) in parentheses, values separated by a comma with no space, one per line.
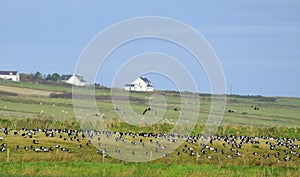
(141,84)
(10,75)
(74,79)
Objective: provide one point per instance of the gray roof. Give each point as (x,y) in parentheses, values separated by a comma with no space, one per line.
(146,80)
(65,77)
(8,72)
(80,78)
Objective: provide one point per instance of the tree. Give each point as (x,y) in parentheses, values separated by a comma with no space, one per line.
(37,76)
(49,77)
(55,77)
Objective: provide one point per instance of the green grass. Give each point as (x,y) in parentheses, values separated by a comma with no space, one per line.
(282,112)
(278,117)
(63,88)
(137,169)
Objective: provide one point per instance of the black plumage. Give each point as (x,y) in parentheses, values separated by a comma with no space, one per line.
(148,109)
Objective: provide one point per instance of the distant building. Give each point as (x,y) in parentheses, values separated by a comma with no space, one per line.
(74,79)
(141,84)
(10,75)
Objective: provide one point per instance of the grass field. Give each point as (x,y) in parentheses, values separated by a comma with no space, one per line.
(37,106)
(133,169)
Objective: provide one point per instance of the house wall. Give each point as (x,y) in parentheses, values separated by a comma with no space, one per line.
(15,78)
(138,85)
(129,88)
(149,89)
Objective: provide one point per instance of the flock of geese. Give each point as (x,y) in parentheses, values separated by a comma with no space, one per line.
(198,146)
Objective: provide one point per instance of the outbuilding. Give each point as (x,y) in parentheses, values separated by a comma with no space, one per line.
(10,75)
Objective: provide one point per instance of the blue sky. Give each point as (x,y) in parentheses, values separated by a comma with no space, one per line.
(256,41)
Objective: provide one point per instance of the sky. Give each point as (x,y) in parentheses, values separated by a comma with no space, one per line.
(256,41)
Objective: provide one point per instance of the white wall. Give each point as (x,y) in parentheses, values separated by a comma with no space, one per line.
(15,78)
(138,85)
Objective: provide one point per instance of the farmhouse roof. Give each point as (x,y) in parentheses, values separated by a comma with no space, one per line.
(146,80)
(8,72)
(80,78)
(65,77)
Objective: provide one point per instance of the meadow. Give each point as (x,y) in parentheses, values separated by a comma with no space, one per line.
(31,106)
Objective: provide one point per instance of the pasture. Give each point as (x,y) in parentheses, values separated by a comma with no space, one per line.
(266,128)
